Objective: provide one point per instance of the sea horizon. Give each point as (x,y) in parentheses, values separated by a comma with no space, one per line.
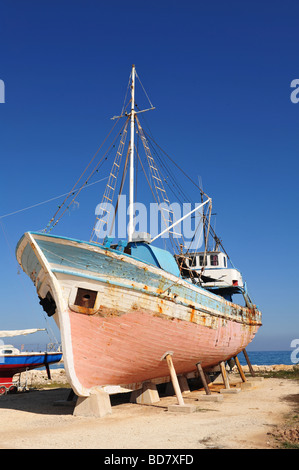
(256,357)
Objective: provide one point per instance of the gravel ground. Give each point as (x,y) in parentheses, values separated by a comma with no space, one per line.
(255,418)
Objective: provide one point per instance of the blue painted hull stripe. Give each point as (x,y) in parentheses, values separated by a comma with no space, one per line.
(24,360)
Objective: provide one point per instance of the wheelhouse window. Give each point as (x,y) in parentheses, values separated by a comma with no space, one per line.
(214,260)
(192,261)
(202,260)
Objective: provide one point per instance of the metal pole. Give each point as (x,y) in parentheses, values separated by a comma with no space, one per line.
(131,194)
(181,219)
(203,378)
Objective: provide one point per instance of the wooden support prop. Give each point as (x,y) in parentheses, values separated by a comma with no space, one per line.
(203,378)
(224,375)
(249,363)
(174,378)
(241,372)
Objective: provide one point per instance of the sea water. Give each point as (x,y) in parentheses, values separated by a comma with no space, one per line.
(259,358)
(267,358)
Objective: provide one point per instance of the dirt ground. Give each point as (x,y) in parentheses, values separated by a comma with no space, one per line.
(251,419)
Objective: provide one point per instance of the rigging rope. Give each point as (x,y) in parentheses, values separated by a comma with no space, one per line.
(50,200)
(51,222)
(211,230)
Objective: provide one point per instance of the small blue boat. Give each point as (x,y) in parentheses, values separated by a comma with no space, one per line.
(13,361)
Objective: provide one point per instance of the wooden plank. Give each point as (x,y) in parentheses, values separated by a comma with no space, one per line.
(249,363)
(224,375)
(241,372)
(203,378)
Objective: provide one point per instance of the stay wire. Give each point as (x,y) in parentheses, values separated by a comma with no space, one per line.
(77,182)
(92,173)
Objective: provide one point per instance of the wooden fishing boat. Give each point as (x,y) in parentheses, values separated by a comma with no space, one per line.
(121,305)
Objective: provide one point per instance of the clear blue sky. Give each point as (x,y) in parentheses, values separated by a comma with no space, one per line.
(219,74)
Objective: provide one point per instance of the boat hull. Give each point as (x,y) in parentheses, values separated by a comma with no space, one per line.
(116,338)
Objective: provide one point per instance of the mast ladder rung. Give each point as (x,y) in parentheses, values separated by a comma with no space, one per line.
(167,210)
(101,221)
(159,179)
(175,233)
(110,187)
(103,209)
(108,198)
(161,189)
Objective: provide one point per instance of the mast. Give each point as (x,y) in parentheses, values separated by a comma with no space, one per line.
(131,194)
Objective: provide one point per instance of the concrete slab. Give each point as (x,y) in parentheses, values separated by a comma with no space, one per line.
(214,398)
(182,408)
(247,385)
(227,391)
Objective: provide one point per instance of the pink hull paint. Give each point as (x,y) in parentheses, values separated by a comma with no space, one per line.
(127,349)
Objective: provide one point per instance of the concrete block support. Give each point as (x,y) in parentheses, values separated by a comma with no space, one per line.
(182,408)
(97,404)
(147,395)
